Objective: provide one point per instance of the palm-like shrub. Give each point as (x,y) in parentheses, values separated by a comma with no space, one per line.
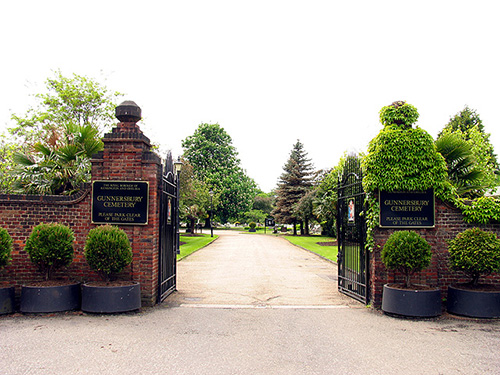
(50,247)
(5,247)
(475,252)
(407,252)
(107,250)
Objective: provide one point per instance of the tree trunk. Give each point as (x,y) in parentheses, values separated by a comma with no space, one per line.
(294,227)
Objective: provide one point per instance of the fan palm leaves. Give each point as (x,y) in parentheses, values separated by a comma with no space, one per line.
(60,164)
(463,171)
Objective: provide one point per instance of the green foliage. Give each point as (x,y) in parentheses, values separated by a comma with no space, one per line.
(50,247)
(463,171)
(58,137)
(294,183)
(482,210)
(475,252)
(77,100)
(7,151)
(264,202)
(407,252)
(254,215)
(107,250)
(399,114)
(215,163)
(5,247)
(60,167)
(252,225)
(403,160)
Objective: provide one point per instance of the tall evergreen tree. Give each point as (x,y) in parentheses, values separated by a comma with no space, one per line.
(294,183)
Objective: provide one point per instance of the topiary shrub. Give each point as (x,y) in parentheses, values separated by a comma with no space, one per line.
(475,252)
(50,247)
(5,247)
(252,225)
(107,250)
(407,252)
(399,113)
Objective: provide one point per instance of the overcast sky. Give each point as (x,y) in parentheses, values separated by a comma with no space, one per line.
(269,72)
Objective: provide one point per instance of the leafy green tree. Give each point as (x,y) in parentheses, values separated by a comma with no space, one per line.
(215,162)
(75,100)
(468,126)
(194,197)
(264,202)
(294,183)
(58,137)
(304,210)
(7,178)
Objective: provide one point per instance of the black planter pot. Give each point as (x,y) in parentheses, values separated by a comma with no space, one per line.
(473,303)
(43,299)
(111,299)
(412,303)
(7,300)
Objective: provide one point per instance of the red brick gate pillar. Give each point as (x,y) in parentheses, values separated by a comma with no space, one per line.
(127,156)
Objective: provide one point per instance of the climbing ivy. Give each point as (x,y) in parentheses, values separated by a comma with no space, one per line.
(403,159)
(400,114)
(400,158)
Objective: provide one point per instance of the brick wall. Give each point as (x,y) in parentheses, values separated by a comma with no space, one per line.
(448,223)
(126,156)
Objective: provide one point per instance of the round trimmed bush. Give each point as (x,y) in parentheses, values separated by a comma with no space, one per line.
(407,252)
(5,247)
(107,250)
(50,247)
(399,113)
(252,225)
(475,252)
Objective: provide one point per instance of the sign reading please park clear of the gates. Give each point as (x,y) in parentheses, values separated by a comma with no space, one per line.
(413,209)
(120,202)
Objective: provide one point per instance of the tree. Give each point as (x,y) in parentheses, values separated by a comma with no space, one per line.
(294,183)
(194,197)
(7,179)
(75,100)
(463,171)
(468,126)
(59,136)
(215,162)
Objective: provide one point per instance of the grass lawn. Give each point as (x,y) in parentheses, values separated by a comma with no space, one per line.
(193,243)
(311,243)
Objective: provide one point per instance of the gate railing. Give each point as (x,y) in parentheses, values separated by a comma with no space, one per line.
(351,234)
(168,230)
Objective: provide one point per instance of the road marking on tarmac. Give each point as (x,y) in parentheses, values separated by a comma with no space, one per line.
(210,306)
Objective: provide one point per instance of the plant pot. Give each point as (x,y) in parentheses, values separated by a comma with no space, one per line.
(473,303)
(111,299)
(252,230)
(54,298)
(411,302)
(7,300)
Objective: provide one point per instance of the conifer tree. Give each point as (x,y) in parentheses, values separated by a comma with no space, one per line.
(293,184)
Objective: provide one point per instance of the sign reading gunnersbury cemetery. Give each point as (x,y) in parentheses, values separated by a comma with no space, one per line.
(409,209)
(120,202)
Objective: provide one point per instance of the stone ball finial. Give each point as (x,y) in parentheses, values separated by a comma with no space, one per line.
(128,111)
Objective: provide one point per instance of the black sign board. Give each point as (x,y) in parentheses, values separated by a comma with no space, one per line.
(408,209)
(120,202)
(269,223)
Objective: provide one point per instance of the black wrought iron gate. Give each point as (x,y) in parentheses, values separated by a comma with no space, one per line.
(351,233)
(169,230)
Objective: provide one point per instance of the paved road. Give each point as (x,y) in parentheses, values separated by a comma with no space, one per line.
(249,327)
(248,269)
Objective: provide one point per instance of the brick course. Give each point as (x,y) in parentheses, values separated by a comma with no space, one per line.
(127,157)
(448,223)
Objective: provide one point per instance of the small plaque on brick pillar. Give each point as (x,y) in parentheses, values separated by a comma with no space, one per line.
(120,202)
(408,209)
